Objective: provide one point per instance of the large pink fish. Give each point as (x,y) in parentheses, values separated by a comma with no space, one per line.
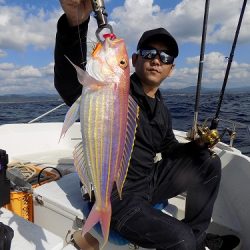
(108,117)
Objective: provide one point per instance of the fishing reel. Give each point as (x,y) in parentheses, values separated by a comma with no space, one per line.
(209,137)
(205,135)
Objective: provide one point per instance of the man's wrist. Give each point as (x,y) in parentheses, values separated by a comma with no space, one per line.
(67,35)
(200,143)
(75,21)
(63,25)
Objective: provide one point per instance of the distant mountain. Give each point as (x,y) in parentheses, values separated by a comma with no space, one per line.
(192,90)
(239,89)
(188,90)
(26,98)
(36,97)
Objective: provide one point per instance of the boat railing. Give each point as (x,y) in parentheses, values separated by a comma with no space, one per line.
(48,112)
(230,131)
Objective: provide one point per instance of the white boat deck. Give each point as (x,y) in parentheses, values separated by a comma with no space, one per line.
(28,235)
(39,144)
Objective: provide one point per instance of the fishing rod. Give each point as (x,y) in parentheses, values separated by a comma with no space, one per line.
(198,88)
(215,120)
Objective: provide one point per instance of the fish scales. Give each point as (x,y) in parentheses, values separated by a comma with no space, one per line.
(108,117)
(101,140)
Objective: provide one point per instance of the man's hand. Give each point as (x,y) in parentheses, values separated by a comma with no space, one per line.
(207,137)
(77,11)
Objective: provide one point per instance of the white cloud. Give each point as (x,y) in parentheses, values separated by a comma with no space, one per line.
(213,73)
(130,20)
(26,72)
(11,71)
(19,28)
(3,53)
(48,70)
(184,21)
(26,79)
(6,66)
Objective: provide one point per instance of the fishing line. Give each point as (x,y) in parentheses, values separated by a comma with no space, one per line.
(79,34)
(92,42)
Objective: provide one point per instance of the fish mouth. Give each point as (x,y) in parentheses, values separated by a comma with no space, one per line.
(115,41)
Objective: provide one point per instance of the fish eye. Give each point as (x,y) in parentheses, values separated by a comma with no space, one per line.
(123,63)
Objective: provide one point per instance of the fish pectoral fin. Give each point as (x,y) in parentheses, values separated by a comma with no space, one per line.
(132,121)
(86,80)
(82,167)
(71,116)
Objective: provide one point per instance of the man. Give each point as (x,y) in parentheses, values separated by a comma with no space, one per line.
(186,167)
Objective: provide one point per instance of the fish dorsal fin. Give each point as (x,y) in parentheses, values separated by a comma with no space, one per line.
(133,113)
(72,115)
(82,167)
(86,79)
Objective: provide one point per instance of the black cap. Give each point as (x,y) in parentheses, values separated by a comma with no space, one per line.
(162,35)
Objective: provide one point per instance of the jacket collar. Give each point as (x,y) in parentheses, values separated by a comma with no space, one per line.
(138,89)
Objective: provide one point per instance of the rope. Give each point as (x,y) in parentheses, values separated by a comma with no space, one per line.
(39,175)
(30,173)
(27,170)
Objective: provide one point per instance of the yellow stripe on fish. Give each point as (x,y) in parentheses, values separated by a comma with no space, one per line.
(108,117)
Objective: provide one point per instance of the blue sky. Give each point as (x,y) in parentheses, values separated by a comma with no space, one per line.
(28,28)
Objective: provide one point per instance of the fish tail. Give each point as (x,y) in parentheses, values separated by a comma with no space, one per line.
(96,215)
(105,223)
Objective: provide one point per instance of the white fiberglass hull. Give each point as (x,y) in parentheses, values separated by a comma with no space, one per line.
(39,143)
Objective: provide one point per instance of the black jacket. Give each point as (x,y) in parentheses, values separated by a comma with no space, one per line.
(154,132)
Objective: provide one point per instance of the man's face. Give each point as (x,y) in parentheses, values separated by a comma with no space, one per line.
(152,71)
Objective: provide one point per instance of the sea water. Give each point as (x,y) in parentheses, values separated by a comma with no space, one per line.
(234,114)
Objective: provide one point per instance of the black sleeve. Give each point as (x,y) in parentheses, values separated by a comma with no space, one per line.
(171,146)
(68,41)
(169,142)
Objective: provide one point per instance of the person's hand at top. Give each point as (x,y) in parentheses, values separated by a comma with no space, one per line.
(77,11)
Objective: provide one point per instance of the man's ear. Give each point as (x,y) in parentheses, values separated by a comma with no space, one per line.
(134,59)
(171,70)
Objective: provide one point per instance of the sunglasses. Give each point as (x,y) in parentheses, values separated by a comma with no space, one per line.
(152,53)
